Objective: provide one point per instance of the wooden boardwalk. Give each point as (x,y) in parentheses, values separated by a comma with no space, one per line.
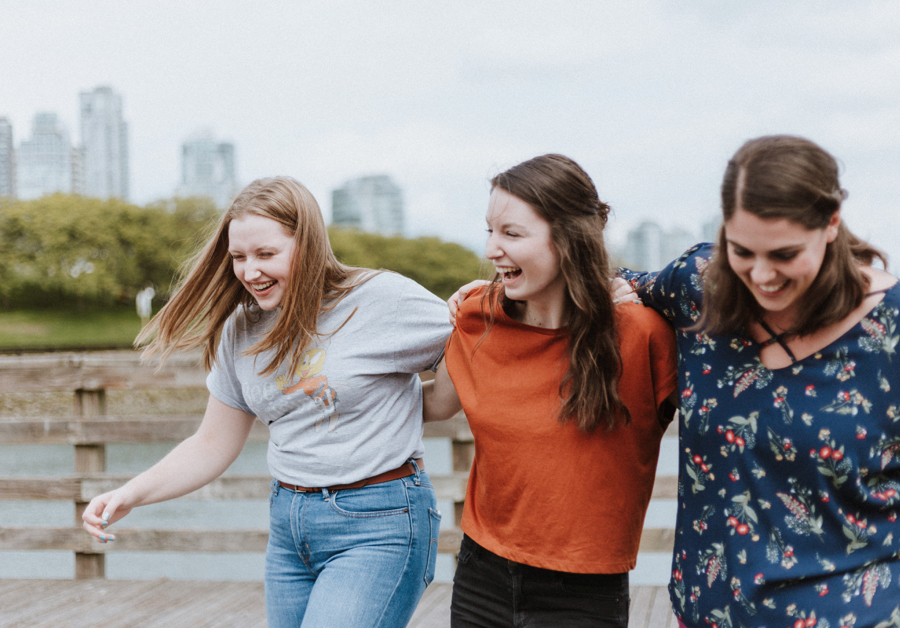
(202,604)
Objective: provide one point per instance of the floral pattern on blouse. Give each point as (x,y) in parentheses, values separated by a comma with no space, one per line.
(789,479)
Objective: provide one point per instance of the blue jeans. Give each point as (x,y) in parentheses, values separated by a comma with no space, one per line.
(490,591)
(358,557)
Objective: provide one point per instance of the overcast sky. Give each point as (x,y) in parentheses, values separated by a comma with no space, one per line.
(650,97)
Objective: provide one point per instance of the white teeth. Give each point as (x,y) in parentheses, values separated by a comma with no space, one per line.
(259,287)
(503,270)
(772,288)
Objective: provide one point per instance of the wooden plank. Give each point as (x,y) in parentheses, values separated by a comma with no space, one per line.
(450,540)
(68,489)
(121,604)
(657,540)
(455,428)
(134,539)
(139,539)
(665,487)
(434,608)
(177,604)
(451,487)
(641,601)
(96,370)
(108,429)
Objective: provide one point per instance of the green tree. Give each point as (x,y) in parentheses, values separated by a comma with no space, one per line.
(440,266)
(63,248)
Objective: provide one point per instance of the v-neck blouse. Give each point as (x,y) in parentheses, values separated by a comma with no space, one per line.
(789,478)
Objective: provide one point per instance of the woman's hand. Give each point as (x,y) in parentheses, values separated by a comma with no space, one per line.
(104,510)
(460,295)
(621,291)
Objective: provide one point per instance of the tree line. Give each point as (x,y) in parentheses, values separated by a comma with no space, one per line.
(61,250)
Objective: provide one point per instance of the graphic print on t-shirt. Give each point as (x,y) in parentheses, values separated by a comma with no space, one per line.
(314,385)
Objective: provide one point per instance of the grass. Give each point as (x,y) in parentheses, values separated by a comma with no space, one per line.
(93,328)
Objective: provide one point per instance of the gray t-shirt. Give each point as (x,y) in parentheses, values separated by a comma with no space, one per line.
(353,408)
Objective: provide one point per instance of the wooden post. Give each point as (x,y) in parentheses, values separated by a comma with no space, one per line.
(89,458)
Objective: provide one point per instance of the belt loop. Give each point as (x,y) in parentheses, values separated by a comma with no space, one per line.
(275,486)
(326,494)
(416,467)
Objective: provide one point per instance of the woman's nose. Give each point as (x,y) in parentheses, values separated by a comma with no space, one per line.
(762,271)
(251,271)
(491,250)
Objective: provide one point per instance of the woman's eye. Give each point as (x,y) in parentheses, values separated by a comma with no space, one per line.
(741,253)
(511,234)
(784,257)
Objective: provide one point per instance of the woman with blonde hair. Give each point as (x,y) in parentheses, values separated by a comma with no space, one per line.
(318,352)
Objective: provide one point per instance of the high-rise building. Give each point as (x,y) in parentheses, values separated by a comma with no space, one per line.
(104,145)
(649,247)
(208,169)
(7,160)
(373,204)
(643,249)
(44,161)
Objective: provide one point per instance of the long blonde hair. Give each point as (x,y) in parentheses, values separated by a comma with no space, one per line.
(209,292)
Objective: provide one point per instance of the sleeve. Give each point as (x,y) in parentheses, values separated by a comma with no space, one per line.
(222,381)
(663,360)
(420,323)
(676,291)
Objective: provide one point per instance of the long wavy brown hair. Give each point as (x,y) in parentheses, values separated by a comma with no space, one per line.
(782,176)
(563,194)
(209,292)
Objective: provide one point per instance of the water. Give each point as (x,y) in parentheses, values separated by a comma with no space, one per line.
(58,460)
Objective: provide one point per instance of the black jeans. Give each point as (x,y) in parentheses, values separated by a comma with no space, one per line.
(492,592)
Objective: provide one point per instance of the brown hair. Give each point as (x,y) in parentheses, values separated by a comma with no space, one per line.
(782,176)
(209,292)
(564,195)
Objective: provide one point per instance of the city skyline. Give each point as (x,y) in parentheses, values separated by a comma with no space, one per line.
(104,144)
(650,97)
(373,203)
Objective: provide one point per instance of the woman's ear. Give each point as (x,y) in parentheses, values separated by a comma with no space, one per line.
(831,229)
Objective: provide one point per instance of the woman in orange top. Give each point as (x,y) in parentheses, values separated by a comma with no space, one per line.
(567,396)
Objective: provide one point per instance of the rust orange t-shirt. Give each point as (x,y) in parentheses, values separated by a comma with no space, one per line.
(540,492)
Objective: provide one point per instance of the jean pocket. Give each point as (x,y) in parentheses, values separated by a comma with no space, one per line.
(434,519)
(380,500)
(465,551)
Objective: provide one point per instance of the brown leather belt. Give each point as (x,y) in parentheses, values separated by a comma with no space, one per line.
(394,474)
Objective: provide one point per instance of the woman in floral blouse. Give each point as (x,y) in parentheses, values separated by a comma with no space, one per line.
(789,477)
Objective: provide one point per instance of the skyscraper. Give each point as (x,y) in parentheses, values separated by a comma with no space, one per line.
(104,145)
(208,169)
(7,160)
(44,161)
(373,204)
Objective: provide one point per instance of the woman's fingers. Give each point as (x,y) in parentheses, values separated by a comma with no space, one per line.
(101,512)
(621,291)
(460,295)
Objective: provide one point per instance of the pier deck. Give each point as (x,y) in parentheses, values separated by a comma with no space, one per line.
(200,604)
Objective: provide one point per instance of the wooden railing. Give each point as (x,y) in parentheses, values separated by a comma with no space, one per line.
(90,400)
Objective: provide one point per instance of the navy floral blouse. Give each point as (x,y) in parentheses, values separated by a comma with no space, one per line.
(789,479)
